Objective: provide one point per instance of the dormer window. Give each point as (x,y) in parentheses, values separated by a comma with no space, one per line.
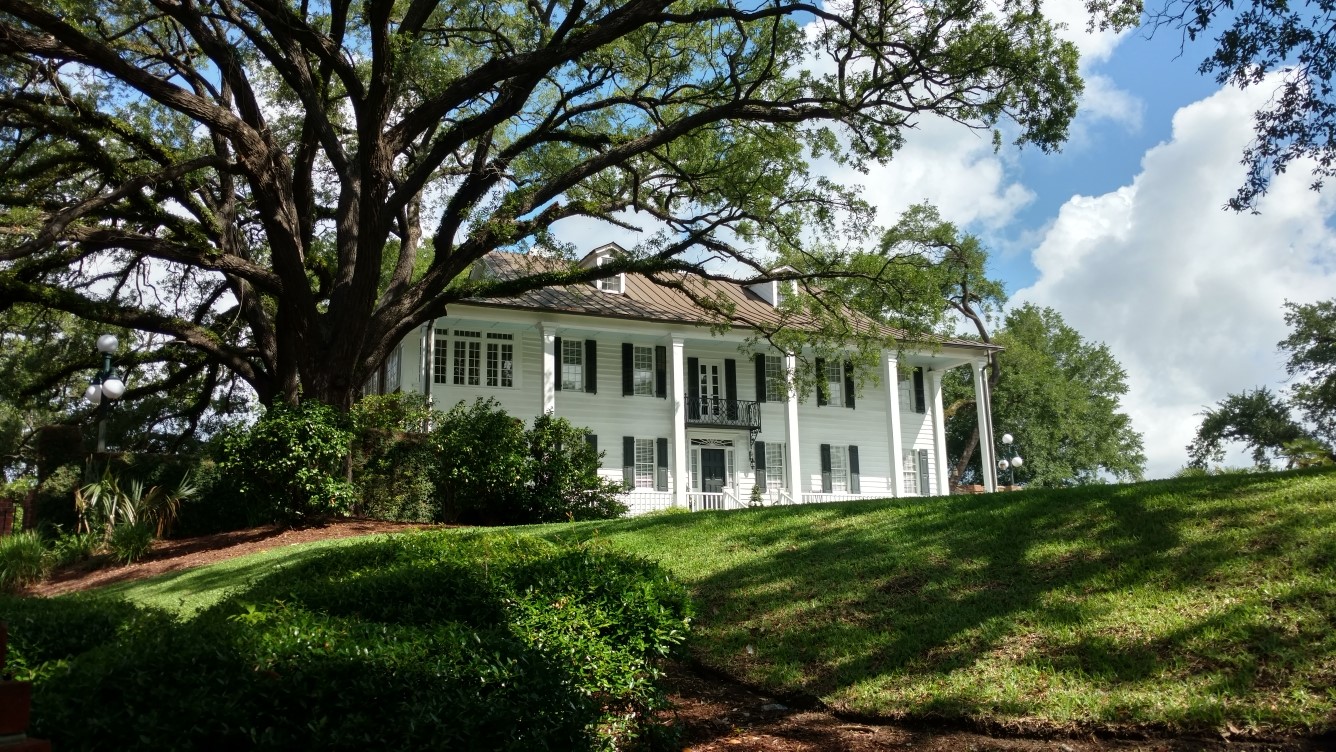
(614,284)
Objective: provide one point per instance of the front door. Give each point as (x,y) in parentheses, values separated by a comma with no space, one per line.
(710,377)
(712,470)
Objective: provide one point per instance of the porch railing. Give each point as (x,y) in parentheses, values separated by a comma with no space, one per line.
(714,411)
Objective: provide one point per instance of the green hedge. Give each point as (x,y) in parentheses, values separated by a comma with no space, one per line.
(433,640)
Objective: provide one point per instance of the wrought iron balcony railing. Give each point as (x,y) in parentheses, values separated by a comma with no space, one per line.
(713,411)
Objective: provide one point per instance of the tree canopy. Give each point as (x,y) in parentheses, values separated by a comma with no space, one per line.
(288,189)
(1264,421)
(1271,42)
(1059,395)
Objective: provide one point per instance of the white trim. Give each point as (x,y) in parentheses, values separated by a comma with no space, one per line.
(934,386)
(986,455)
(791,429)
(891,377)
(678,390)
(547,391)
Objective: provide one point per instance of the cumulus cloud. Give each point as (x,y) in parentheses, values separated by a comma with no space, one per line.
(1187,295)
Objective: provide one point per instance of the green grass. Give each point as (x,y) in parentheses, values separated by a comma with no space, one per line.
(1186,604)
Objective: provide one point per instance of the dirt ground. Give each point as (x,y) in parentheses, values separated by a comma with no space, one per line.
(711,712)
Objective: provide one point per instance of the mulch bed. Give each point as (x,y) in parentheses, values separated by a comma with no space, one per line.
(710,712)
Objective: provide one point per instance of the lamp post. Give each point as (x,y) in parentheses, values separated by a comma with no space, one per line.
(1009,465)
(105,388)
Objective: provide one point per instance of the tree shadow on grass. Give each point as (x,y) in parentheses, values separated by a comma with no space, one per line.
(977,605)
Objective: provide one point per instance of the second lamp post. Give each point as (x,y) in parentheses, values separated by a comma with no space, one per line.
(105,388)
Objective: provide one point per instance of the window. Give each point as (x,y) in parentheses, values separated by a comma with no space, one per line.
(911,473)
(392,371)
(775,379)
(775,477)
(839,469)
(572,365)
(643,370)
(467,360)
(644,472)
(500,360)
(611,284)
(458,358)
(913,398)
(834,382)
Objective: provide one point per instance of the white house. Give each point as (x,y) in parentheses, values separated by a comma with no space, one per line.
(682,415)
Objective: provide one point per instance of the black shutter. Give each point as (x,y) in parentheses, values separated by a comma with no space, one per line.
(760,377)
(556,374)
(661,477)
(920,405)
(731,387)
(848,384)
(591,366)
(628,369)
(628,462)
(760,463)
(693,389)
(825,468)
(591,439)
(853,470)
(661,371)
(820,381)
(925,485)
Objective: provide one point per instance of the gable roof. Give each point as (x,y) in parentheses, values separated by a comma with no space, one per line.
(645,300)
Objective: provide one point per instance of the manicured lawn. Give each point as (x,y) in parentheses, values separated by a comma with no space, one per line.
(1186,604)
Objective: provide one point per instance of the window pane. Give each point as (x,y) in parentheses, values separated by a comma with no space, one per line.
(461,360)
(775,477)
(572,365)
(911,474)
(839,469)
(645,463)
(774,379)
(500,364)
(441,362)
(835,383)
(643,370)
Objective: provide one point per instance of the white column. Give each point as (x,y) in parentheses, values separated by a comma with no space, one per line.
(678,389)
(938,430)
(983,410)
(548,390)
(791,430)
(891,375)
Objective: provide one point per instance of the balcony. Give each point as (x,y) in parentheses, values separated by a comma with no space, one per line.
(713,412)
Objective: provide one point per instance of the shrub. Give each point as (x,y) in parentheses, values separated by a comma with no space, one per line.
(23,560)
(394,466)
(69,548)
(481,453)
(293,460)
(45,633)
(220,504)
(130,541)
(562,476)
(54,504)
(428,641)
(491,470)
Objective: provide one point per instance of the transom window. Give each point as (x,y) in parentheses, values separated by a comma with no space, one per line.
(572,365)
(642,372)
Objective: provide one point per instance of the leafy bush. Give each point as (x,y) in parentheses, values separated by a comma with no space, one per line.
(394,466)
(427,641)
(562,476)
(491,470)
(44,633)
(293,460)
(220,504)
(69,548)
(23,560)
(481,461)
(54,504)
(130,541)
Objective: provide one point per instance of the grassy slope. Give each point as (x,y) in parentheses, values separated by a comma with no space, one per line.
(1190,603)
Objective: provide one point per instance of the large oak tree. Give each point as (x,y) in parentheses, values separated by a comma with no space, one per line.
(289,187)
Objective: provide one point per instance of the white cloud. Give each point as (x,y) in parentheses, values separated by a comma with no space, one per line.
(1103,100)
(1187,295)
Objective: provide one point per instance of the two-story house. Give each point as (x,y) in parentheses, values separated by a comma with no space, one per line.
(683,416)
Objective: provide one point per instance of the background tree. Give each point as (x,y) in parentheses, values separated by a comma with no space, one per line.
(1259,419)
(1059,395)
(289,190)
(1264,421)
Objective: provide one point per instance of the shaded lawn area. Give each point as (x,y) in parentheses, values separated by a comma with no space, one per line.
(1181,604)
